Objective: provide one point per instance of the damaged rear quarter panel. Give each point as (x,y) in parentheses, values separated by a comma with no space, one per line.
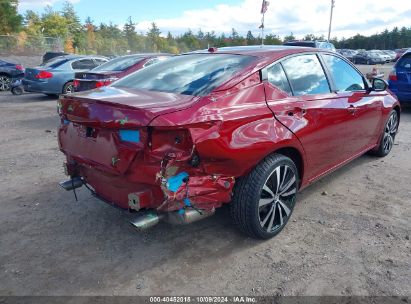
(243,132)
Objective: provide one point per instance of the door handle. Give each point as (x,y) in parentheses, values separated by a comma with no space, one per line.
(295,110)
(352,109)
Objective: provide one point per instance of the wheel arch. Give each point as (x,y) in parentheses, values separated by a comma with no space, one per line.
(62,89)
(296,156)
(398,110)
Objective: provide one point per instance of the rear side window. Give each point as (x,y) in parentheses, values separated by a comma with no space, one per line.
(405,62)
(277,77)
(306,75)
(345,77)
(83,64)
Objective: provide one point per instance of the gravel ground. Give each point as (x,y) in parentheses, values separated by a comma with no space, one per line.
(349,234)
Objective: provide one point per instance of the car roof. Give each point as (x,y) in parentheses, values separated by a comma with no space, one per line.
(258,50)
(146,55)
(72,57)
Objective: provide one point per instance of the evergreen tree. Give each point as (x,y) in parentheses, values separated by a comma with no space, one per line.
(10,20)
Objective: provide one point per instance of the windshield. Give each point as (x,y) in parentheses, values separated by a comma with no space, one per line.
(193,74)
(119,64)
(405,62)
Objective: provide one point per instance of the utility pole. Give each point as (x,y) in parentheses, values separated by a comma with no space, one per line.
(331,19)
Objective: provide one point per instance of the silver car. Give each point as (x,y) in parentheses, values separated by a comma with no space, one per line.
(56,75)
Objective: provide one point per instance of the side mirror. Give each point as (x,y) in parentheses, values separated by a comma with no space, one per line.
(379,85)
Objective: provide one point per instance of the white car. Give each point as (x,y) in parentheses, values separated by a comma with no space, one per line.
(381,54)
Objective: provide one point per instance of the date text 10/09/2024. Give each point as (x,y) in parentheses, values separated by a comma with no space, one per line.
(182,299)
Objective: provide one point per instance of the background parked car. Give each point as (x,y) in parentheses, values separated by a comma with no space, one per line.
(400,52)
(50,55)
(400,78)
(367,58)
(8,72)
(391,54)
(115,69)
(314,44)
(381,54)
(56,76)
(349,54)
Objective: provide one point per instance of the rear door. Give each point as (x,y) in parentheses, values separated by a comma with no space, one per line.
(363,110)
(299,94)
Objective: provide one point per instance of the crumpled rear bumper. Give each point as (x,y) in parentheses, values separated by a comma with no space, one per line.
(164,194)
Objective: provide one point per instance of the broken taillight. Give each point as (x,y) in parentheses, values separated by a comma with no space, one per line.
(174,143)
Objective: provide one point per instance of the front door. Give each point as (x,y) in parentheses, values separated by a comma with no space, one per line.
(299,94)
(363,110)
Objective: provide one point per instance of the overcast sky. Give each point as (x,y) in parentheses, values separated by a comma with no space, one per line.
(298,16)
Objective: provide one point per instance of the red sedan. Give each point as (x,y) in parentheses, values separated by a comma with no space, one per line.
(245,126)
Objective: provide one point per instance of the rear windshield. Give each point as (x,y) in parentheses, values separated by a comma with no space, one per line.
(193,74)
(119,64)
(405,62)
(54,62)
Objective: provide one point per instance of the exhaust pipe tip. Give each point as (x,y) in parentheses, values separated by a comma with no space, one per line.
(146,221)
(71,184)
(150,219)
(189,216)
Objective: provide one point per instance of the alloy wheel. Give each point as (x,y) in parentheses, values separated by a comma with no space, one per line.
(69,89)
(277,199)
(5,83)
(390,131)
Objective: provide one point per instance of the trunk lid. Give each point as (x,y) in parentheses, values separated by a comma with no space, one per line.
(111,107)
(96,75)
(93,123)
(30,73)
(85,81)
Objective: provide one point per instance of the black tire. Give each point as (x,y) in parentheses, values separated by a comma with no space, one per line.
(17,91)
(368,62)
(68,88)
(258,211)
(5,82)
(52,95)
(388,135)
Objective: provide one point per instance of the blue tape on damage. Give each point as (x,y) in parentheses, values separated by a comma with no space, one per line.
(187,202)
(175,182)
(130,136)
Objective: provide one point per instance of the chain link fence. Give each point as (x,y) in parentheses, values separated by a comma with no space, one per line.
(24,44)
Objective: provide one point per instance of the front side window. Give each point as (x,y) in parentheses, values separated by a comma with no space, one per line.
(346,78)
(306,75)
(193,74)
(277,78)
